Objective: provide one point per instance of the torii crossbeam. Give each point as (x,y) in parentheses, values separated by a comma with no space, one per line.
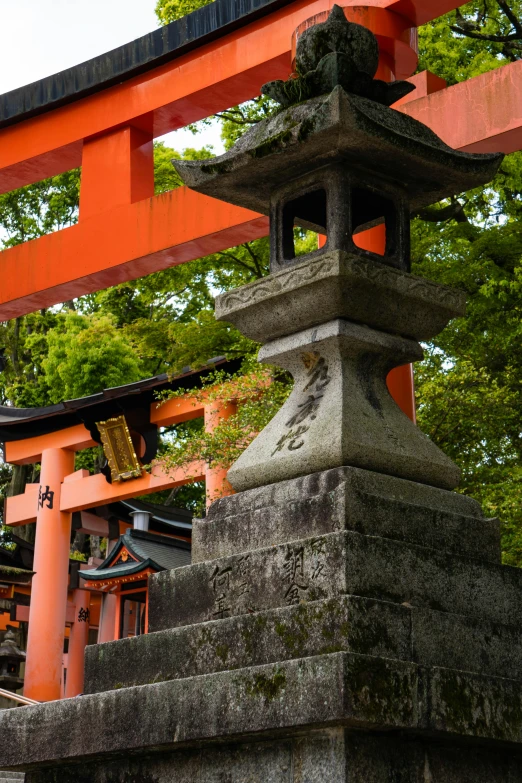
(103,115)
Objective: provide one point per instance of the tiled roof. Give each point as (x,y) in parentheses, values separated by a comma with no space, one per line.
(152,551)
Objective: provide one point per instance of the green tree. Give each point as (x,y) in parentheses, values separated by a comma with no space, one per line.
(86,354)
(170,10)
(469,388)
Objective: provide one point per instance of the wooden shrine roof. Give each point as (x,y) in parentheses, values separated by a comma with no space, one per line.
(151,551)
(22,423)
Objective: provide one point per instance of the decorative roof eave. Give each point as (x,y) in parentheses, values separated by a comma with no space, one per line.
(138,564)
(110,585)
(344,127)
(123,573)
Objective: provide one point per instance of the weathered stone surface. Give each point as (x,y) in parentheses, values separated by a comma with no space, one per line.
(341,689)
(330,566)
(287,698)
(461,642)
(332,756)
(340,285)
(348,624)
(331,53)
(340,412)
(289,761)
(346,499)
(391,759)
(475,706)
(349,131)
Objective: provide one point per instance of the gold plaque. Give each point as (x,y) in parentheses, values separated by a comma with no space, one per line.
(119,450)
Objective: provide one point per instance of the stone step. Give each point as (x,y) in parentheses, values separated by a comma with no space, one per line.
(330,566)
(346,499)
(287,698)
(8,777)
(348,623)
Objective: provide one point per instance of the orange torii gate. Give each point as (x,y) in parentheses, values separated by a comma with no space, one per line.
(63,491)
(125,232)
(104,116)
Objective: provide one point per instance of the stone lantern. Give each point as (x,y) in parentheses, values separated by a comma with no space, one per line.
(337,159)
(11,658)
(345,617)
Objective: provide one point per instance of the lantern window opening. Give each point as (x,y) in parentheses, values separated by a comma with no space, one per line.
(371,209)
(310,210)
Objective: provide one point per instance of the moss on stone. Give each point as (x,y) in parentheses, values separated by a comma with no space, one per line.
(273,144)
(267,687)
(222,651)
(472,710)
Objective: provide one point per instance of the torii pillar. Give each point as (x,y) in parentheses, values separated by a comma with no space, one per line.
(43,674)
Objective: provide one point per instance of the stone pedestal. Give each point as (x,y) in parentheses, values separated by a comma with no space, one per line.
(346,626)
(345,618)
(339,323)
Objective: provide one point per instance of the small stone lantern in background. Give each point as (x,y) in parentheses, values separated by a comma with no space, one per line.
(11,658)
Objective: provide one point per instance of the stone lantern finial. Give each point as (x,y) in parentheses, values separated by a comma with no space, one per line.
(336,53)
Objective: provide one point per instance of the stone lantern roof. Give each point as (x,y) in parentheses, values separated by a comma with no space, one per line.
(336,112)
(9,648)
(338,127)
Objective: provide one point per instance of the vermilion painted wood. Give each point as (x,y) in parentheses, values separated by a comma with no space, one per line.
(26,452)
(176,410)
(123,158)
(209,79)
(22,614)
(483,114)
(421,11)
(49,585)
(21,509)
(134,240)
(78,640)
(95,491)
(77,438)
(216,483)
(92,491)
(121,244)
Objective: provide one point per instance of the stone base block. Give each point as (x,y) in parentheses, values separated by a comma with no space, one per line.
(286,700)
(346,624)
(330,756)
(346,499)
(330,566)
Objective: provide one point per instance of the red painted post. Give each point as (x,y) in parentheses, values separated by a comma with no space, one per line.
(78,640)
(216,482)
(400,381)
(117,169)
(47,613)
